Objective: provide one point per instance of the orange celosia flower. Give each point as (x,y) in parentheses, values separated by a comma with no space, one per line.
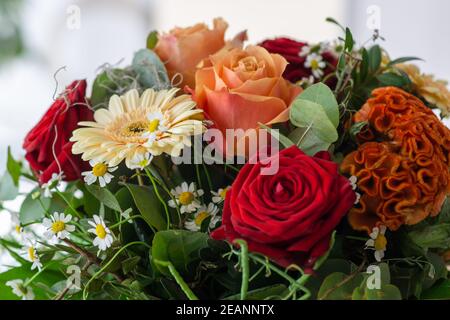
(402,164)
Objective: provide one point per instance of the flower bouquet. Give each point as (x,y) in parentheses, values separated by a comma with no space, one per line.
(213,169)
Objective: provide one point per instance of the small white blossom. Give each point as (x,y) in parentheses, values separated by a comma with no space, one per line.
(99,171)
(141,161)
(315,62)
(377,242)
(52,184)
(18,288)
(203,213)
(186,196)
(32,255)
(219,195)
(57,226)
(103,239)
(156,126)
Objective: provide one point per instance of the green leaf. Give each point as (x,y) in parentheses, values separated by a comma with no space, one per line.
(104,196)
(150,70)
(285,141)
(130,263)
(322,95)
(107,84)
(440,291)
(348,40)
(402,60)
(374,58)
(339,286)
(444,215)
(386,292)
(356,128)
(392,79)
(152,40)
(14,168)
(8,190)
(180,247)
(434,236)
(307,114)
(334,21)
(33,209)
(307,141)
(149,205)
(364,68)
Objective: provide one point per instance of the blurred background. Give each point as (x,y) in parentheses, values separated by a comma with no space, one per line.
(77,37)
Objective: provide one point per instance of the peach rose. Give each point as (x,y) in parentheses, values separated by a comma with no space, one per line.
(183,48)
(241,88)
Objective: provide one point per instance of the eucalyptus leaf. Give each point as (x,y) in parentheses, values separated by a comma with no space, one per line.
(8,190)
(150,70)
(33,209)
(14,168)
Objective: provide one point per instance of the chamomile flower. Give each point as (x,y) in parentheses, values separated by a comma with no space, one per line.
(51,184)
(19,289)
(103,239)
(32,255)
(305,51)
(99,171)
(140,161)
(16,224)
(219,196)
(377,242)
(156,127)
(315,62)
(186,196)
(353,181)
(58,226)
(203,213)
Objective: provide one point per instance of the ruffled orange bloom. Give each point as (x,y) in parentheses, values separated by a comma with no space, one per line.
(402,164)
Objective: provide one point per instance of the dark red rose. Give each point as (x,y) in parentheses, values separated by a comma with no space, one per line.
(47,145)
(290,50)
(288,216)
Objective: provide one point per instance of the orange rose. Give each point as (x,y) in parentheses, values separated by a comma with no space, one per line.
(183,48)
(243,87)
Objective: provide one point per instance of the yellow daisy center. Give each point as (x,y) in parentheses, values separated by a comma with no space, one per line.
(153,125)
(201,217)
(58,226)
(380,242)
(314,64)
(134,129)
(223,193)
(186,198)
(31,254)
(100,169)
(100,231)
(18,229)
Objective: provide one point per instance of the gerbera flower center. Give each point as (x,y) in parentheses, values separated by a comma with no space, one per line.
(58,226)
(99,170)
(186,198)
(201,217)
(380,242)
(153,125)
(31,254)
(135,129)
(100,231)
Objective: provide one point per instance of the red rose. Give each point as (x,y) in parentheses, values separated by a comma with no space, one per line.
(290,50)
(47,145)
(288,216)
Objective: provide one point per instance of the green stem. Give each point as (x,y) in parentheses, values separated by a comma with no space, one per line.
(102,269)
(245,267)
(126,220)
(158,195)
(29,281)
(183,285)
(69,204)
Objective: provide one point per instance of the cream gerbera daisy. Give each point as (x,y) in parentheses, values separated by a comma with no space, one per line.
(57,226)
(103,239)
(19,289)
(154,122)
(186,196)
(201,215)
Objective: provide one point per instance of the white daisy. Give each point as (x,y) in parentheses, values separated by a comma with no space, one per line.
(156,127)
(140,161)
(203,213)
(353,181)
(57,226)
(104,237)
(16,224)
(219,196)
(32,255)
(315,62)
(305,50)
(377,242)
(18,288)
(186,196)
(51,184)
(99,171)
